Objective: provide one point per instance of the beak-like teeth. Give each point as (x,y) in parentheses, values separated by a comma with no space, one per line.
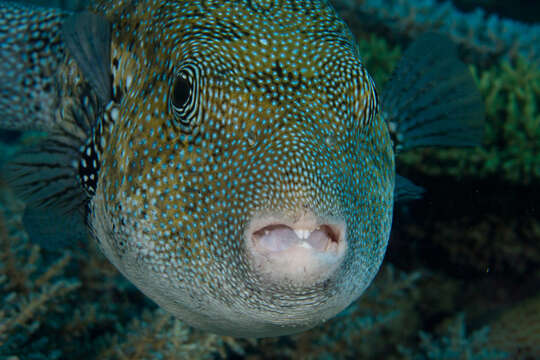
(302,233)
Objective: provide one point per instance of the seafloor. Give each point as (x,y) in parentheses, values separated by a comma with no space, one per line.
(461,279)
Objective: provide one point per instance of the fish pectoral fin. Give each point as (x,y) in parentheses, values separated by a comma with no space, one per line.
(87,37)
(406,190)
(431,98)
(61,170)
(53,228)
(45,175)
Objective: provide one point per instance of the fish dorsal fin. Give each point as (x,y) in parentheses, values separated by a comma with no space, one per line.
(405,190)
(87,37)
(431,98)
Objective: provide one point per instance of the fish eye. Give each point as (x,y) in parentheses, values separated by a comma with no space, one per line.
(183,101)
(181,92)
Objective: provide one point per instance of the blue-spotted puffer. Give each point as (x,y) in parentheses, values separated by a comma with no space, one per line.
(230,156)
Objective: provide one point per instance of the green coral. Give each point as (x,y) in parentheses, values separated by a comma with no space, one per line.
(455,344)
(512,93)
(378,56)
(511,146)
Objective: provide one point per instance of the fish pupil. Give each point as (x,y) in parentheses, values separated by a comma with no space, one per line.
(181,92)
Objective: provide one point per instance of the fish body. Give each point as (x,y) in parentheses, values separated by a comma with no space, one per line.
(229,157)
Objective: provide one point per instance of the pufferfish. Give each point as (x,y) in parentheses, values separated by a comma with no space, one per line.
(231,158)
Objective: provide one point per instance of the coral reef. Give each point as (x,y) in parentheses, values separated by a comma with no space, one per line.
(487,37)
(29,292)
(510,150)
(378,56)
(517,330)
(455,344)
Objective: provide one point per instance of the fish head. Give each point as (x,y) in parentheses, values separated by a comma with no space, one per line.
(246,183)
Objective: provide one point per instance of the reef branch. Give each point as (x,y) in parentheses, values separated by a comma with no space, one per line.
(486,36)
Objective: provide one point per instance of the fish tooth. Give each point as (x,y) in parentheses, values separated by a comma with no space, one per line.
(302,233)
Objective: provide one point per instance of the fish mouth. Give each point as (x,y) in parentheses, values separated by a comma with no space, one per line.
(280,237)
(304,250)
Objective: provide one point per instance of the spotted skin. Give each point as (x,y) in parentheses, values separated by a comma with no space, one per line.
(282,122)
(30,52)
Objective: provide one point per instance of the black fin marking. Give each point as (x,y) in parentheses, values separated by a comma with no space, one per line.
(405,190)
(88,167)
(88,39)
(431,98)
(31,50)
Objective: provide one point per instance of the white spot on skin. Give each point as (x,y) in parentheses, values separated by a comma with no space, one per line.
(129,80)
(114,114)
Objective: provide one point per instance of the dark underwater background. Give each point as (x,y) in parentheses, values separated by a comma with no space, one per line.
(461,279)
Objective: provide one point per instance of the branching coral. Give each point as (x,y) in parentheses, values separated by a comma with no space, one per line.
(157,334)
(29,292)
(512,93)
(486,36)
(510,149)
(517,330)
(455,344)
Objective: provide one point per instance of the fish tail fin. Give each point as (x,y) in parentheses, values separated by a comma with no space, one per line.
(31,51)
(431,98)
